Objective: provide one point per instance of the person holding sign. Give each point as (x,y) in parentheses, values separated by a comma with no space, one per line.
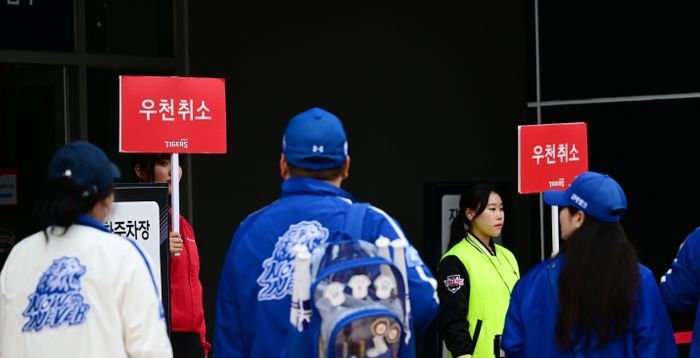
(476,276)
(257,280)
(74,289)
(593,299)
(187,311)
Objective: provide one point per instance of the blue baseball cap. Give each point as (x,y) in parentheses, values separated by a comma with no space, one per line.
(315,140)
(86,165)
(597,195)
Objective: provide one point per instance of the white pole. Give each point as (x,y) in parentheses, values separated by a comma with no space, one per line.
(300,312)
(175,192)
(399,247)
(555,230)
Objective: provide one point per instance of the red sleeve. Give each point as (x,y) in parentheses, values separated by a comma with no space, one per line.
(200,326)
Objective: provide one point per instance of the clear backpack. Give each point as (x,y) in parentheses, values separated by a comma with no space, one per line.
(356,303)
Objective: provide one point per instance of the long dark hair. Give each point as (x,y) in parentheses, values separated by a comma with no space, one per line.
(147,162)
(598,284)
(475,197)
(62,202)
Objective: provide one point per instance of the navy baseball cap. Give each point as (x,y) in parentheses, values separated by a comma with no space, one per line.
(315,140)
(86,165)
(597,195)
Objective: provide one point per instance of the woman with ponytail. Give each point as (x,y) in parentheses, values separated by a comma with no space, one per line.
(476,276)
(593,299)
(74,289)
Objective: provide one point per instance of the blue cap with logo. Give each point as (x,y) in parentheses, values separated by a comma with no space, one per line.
(597,195)
(315,140)
(86,165)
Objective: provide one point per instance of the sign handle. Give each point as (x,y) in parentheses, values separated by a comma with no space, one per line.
(555,230)
(175,192)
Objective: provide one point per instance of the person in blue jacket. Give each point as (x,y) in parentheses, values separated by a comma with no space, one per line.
(593,299)
(680,286)
(253,300)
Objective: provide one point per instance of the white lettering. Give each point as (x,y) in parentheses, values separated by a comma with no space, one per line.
(578,200)
(555,153)
(557,183)
(182,143)
(16,2)
(148,106)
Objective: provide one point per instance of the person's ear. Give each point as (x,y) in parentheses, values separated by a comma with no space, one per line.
(470,214)
(284,167)
(577,219)
(140,172)
(345,172)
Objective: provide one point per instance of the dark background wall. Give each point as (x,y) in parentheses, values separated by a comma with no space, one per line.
(632,75)
(429,92)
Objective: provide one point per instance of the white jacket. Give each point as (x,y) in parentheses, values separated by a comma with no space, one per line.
(87,293)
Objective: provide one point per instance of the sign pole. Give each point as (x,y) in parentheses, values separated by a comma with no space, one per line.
(555,230)
(175,191)
(541,227)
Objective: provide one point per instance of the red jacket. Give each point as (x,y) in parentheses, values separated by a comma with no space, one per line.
(186,307)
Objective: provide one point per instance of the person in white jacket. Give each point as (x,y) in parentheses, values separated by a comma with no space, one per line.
(74,289)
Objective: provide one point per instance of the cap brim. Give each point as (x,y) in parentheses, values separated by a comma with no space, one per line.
(115,171)
(556,197)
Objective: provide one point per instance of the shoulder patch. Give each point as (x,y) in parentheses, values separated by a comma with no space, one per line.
(453,283)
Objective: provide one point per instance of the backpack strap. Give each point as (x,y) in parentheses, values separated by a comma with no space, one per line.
(355,219)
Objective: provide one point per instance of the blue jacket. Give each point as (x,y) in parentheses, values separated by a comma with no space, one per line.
(532,315)
(680,286)
(254,295)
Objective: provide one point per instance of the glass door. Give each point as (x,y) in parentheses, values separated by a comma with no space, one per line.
(34,122)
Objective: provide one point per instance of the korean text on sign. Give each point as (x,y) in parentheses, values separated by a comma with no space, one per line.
(170,109)
(555,153)
(135,229)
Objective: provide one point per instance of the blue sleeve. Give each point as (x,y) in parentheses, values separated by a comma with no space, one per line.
(422,288)
(513,341)
(680,286)
(653,334)
(421,283)
(228,339)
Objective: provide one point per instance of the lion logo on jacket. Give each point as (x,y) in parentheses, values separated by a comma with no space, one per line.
(278,270)
(57,299)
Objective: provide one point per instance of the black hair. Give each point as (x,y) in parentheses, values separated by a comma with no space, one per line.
(475,197)
(147,162)
(322,174)
(598,284)
(62,202)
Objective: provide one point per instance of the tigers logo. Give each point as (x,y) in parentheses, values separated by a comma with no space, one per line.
(57,299)
(453,283)
(278,270)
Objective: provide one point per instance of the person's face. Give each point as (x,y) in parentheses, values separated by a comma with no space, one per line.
(569,222)
(490,222)
(161,173)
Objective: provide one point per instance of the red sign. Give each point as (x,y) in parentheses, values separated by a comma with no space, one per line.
(550,156)
(172,115)
(683,337)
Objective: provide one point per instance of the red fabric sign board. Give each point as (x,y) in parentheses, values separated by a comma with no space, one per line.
(550,156)
(172,115)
